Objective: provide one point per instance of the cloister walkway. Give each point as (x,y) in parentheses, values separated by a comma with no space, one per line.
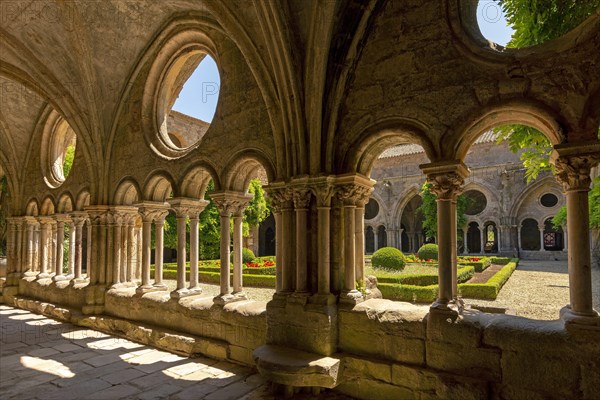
(41,358)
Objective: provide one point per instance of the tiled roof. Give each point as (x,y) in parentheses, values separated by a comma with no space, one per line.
(408,149)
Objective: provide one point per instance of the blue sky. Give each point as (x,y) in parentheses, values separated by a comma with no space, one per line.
(199,95)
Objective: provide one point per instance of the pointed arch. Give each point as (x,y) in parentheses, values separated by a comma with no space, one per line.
(48,207)
(33,207)
(245,166)
(65,203)
(196,179)
(159,186)
(127,193)
(83,199)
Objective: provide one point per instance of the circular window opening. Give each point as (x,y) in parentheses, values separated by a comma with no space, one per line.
(371,209)
(493,23)
(476,202)
(58,150)
(189,100)
(549,200)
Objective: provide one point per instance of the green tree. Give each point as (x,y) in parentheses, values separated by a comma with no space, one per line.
(258,209)
(69,158)
(428,209)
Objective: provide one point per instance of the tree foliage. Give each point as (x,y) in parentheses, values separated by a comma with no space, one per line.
(68,160)
(428,209)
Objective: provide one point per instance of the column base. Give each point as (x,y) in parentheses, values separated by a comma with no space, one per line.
(180,293)
(223,299)
(58,278)
(160,286)
(299,298)
(444,310)
(76,281)
(195,290)
(351,297)
(240,295)
(140,290)
(574,319)
(43,275)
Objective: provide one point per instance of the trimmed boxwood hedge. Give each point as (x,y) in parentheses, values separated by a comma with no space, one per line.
(490,289)
(428,252)
(463,274)
(500,260)
(479,265)
(388,258)
(421,294)
(215,277)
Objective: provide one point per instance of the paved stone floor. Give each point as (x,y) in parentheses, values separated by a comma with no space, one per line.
(41,358)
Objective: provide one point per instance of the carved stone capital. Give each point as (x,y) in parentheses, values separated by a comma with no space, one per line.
(97,214)
(231,203)
(446,186)
(573,172)
(79,218)
(280,196)
(185,207)
(301,197)
(153,211)
(352,194)
(323,193)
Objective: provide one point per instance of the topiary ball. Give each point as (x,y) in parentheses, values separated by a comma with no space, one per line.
(247,255)
(388,258)
(428,252)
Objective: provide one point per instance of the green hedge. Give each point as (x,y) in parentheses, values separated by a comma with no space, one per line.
(245,270)
(428,252)
(256,280)
(421,294)
(490,289)
(463,274)
(500,260)
(388,258)
(479,265)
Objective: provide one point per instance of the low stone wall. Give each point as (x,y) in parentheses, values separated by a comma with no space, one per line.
(233,331)
(72,296)
(395,350)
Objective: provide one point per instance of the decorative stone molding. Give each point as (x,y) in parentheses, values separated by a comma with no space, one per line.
(301,197)
(230,203)
(280,195)
(153,211)
(446,178)
(573,164)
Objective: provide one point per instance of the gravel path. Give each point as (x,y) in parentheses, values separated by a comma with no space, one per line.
(537,290)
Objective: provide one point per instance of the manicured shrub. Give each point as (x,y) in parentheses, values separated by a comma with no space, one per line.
(480,263)
(247,255)
(428,252)
(500,260)
(420,294)
(490,289)
(388,258)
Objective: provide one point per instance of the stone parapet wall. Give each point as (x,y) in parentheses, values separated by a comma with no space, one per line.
(396,350)
(62,293)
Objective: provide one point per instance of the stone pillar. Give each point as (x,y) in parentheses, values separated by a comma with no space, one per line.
(97,269)
(447,180)
(52,248)
(117,250)
(194,216)
(60,237)
(375,239)
(230,203)
(71,260)
(302,198)
(400,231)
(359,236)
(454,255)
(159,234)
(519,237)
(88,244)
(279,195)
(482,238)
(31,249)
(352,190)
(572,165)
(541,227)
(45,231)
(147,218)
(130,275)
(323,193)
(79,219)
(181,211)
(19,247)
(238,216)
(566,237)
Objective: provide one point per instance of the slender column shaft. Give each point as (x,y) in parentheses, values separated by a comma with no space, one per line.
(301,250)
(466,247)
(158,251)
(71,260)
(359,246)
(542,238)
(30,246)
(580,272)
(88,244)
(111,244)
(131,252)
(279,257)
(375,240)
(225,238)
(78,248)
(19,243)
(194,252)
(181,256)
(146,239)
(323,234)
(288,270)
(237,253)
(117,251)
(101,267)
(444,223)
(60,236)
(454,254)
(349,249)
(36,247)
(52,248)
(44,248)
(138,253)
(10,245)
(124,244)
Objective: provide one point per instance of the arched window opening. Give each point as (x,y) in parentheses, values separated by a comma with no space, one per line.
(474,238)
(476,202)
(553,237)
(58,150)
(493,23)
(371,209)
(405,240)
(491,238)
(381,237)
(530,235)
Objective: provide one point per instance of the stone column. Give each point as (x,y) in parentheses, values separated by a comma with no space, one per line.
(60,237)
(19,247)
(302,196)
(447,180)
(453,222)
(45,231)
(159,234)
(278,196)
(11,237)
(566,237)
(117,249)
(519,237)
(287,218)
(482,238)
(96,270)
(88,244)
(130,275)
(194,216)
(53,249)
(541,227)
(228,204)
(375,239)
(323,193)
(572,165)
(147,218)
(182,212)
(359,236)
(71,260)
(79,219)
(238,216)
(400,231)
(31,225)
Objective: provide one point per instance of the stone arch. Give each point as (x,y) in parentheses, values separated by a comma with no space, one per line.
(196,179)
(128,192)
(83,199)
(57,135)
(65,203)
(374,139)
(33,208)
(243,167)
(525,112)
(48,207)
(159,186)
(406,197)
(525,194)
